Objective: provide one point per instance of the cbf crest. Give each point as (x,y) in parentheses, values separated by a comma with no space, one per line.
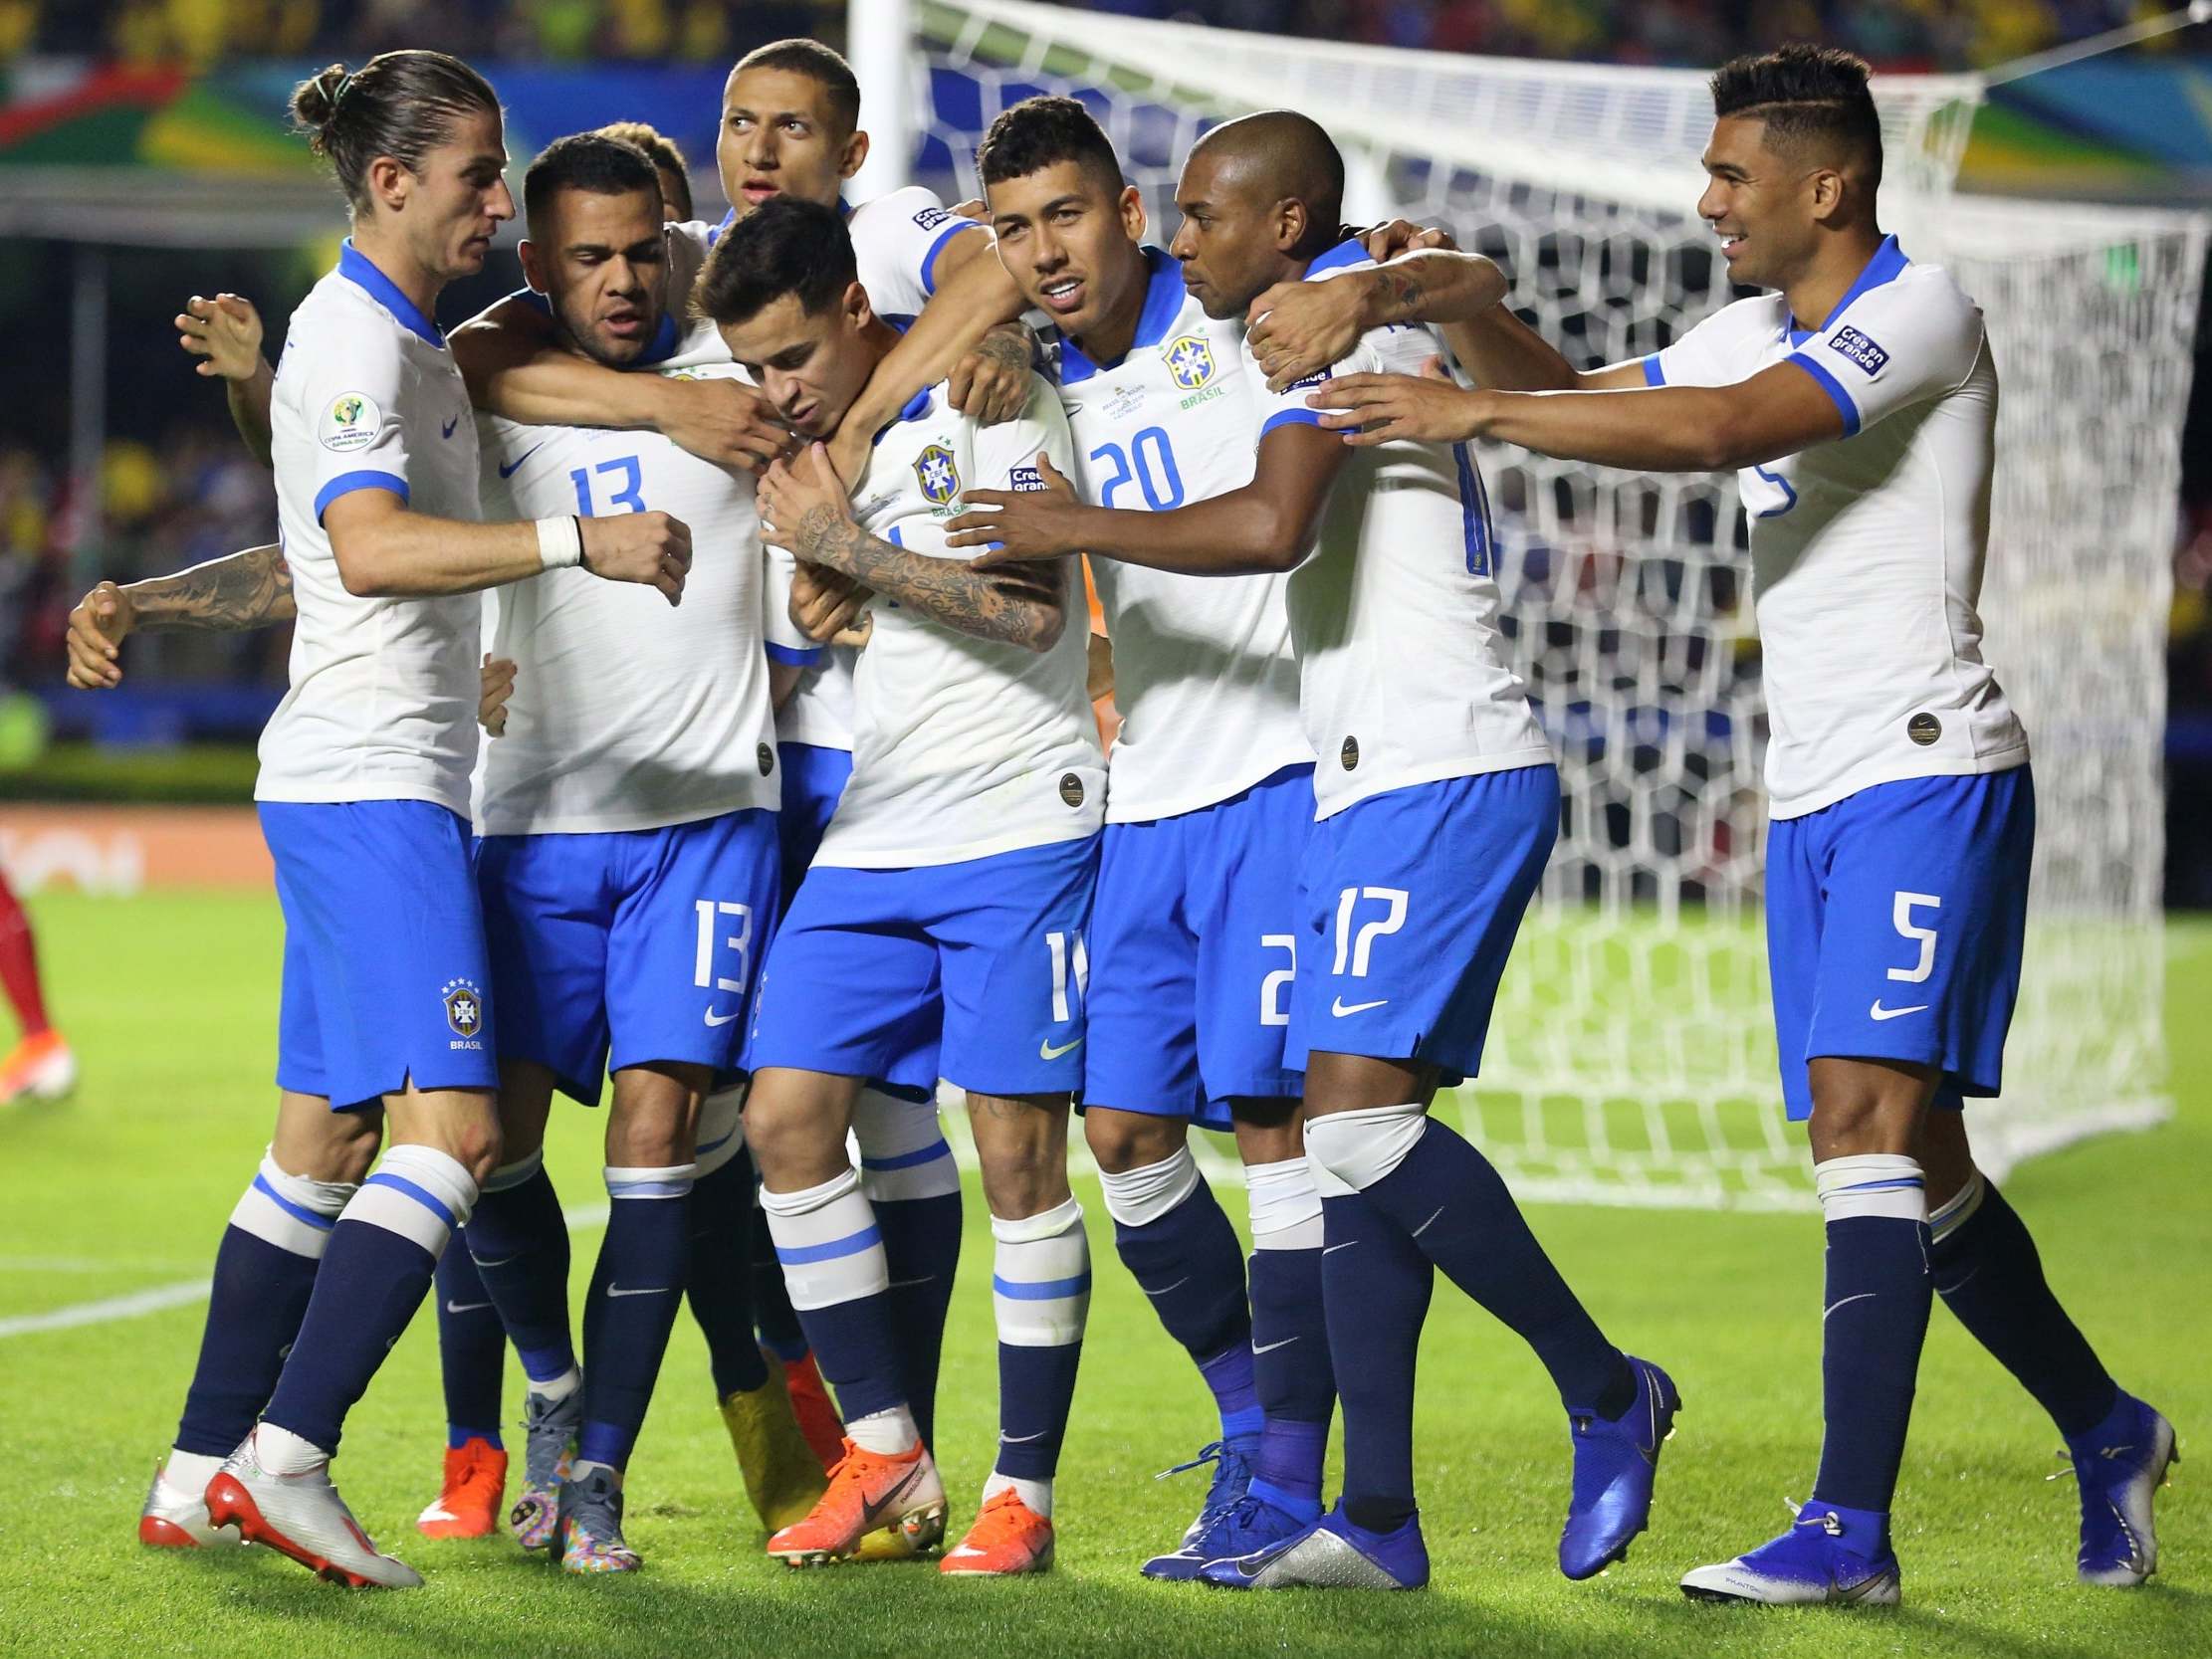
(1190,361)
(464,1012)
(935,472)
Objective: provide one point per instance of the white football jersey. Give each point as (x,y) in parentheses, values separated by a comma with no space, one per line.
(961,747)
(896,241)
(1866,552)
(382,697)
(1205,678)
(1403,677)
(629,714)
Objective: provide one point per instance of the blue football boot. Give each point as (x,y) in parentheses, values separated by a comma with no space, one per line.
(1244,1529)
(1830,1554)
(1232,1473)
(1331,1555)
(1615,1466)
(2121,1464)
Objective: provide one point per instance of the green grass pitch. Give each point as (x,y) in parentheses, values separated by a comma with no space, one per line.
(170,1001)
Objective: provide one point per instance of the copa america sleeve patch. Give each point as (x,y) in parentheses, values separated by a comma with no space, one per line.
(1859,352)
(1025,480)
(351,422)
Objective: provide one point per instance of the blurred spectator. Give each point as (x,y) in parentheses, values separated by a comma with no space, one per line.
(1896,34)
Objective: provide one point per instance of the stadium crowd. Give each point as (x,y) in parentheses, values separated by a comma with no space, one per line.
(1894,34)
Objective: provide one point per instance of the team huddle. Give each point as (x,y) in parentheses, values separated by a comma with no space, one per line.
(692,685)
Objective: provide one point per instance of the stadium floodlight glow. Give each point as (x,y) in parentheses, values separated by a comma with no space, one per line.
(1631,1058)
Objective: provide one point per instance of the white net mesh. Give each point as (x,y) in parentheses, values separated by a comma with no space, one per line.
(1631,1058)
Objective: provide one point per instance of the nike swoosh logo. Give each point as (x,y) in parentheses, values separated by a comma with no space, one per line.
(453,1307)
(1045,1051)
(1431,1222)
(1340,1007)
(1863,1296)
(1270,1347)
(1330,1250)
(872,1513)
(968,1550)
(506,468)
(640,1290)
(1877,1012)
(1019,1439)
(450,425)
(903,1284)
(1164,1289)
(493,1261)
(724,1020)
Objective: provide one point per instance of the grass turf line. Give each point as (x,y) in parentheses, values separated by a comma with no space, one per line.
(171,1002)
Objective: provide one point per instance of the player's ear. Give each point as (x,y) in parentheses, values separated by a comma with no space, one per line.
(387,180)
(857,311)
(1291,224)
(1826,189)
(533,274)
(1132,207)
(855,152)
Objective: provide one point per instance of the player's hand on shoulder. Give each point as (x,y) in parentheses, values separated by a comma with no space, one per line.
(1402,236)
(225,333)
(830,606)
(991,383)
(1430,407)
(96,628)
(650,548)
(494,685)
(976,208)
(1017,524)
(1301,328)
(724,421)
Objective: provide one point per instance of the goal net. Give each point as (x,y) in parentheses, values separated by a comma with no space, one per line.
(1631,1058)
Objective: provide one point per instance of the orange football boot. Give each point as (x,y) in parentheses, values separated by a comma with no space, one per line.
(1008,1536)
(867,1491)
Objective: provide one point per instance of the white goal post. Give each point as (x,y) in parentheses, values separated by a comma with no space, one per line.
(1632,1059)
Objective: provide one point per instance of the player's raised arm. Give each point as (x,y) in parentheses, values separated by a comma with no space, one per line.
(225,334)
(249,589)
(804,510)
(385,552)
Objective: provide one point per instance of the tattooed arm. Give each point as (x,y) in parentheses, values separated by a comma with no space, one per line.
(252,589)
(1299,328)
(804,511)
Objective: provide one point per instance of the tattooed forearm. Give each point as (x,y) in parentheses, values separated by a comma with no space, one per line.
(1399,295)
(252,589)
(1008,345)
(1021,608)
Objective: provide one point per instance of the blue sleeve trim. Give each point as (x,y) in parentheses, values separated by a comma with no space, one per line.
(1654,375)
(793,656)
(1833,387)
(347,482)
(1290,417)
(929,259)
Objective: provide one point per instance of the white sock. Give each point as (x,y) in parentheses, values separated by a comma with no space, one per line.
(1037,1494)
(885,1433)
(282,1452)
(189,1472)
(561,1387)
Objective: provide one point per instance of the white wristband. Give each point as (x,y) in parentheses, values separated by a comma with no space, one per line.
(559,544)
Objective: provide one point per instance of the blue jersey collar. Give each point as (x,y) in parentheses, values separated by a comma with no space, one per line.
(1886,265)
(1343,254)
(916,407)
(1164,296)
(359,270)
(659,350)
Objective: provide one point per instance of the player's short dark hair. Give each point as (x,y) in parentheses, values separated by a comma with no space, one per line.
(1040,132)
(1810,97)
(783,246)
(588,162)
(667,159)
(819,64)
(403,104)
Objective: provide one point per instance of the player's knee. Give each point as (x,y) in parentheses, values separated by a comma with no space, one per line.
(341,1148)
(1124,1141)
(792,1143)
(476,1147)
(1024,1179)
(1861,1107)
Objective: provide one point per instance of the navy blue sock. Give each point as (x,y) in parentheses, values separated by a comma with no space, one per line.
(253,1316)
(371,1283)
(719,1285)
(1295,1381)
(472,1347)
(920,1246)
(520,1240)
(1376,1283)
(1877,1302)
(1449,1199)
(773,1315)
(643,1261)
(1988,1272)
(1035,1385)
(1191,1267)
